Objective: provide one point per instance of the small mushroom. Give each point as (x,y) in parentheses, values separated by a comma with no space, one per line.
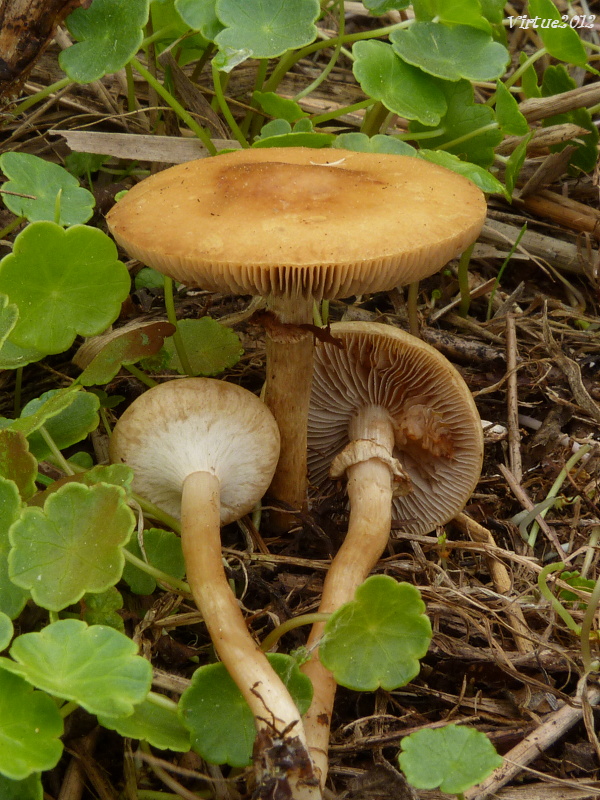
(394,416)
(205,450)
(298,225)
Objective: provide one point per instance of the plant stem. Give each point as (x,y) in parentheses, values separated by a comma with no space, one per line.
(172,317)
(157,513)
(68,708)
(11,226)
(225,110)
(289,625)
(157,574)
(586,627)
(176,106)
(463,281)
(554,601)
(141,376)
(334,56)
(492,126)
(43,93)
(524,66)
(56,454)
(341,111)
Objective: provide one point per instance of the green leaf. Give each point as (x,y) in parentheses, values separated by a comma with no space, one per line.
(163,551)
(451,53)
(379,7)
(211,347)
(9,314)
(44,180)
(471,123)
(126,345)
(148,278)
(220,720)
(6,630)
(30,729)
(373,144)
(401,88)
(493,10)
(480,176)
(64,282)
(378,638)
(514,164)
(53,403)
(95,666)
(114,474)
(267,28)
(560,41)
(575,580)
(101,609)
(72,546)
(201,16)
(28,789)
(66,427)
(16,462)
(108,33)
(12,597)
(454,758)
(154,721)
(12,356)
(529,79)
(510,119)
(279,107)
(454,12)
(170,27)
(82,164)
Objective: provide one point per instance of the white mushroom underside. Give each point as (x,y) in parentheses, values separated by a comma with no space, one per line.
(198,425)
(397,377)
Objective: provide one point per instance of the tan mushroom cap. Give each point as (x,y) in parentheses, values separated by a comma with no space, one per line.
(437,430)
(321,223)
(198,425)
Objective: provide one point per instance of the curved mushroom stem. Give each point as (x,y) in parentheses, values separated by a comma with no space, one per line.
(275,713)
(287,395)
(370,494)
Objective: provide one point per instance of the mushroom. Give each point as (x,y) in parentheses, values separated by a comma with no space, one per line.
(205,450)
(396,418)
(298,225)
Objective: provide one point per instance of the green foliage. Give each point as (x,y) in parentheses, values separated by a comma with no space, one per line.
(92,665)
(279,133)
(17,463)
(561,42)
(401,88)
(162,550)
(156,721)
(12,597)
(28,789)
(378,638)
(211,347)
(220,721)
(108,33)
(373,144)
(102,608)
(6,630)
(30,175)
(72,546)
(279,107)
(64,283)
(510,119)
(454,758)
(30,729)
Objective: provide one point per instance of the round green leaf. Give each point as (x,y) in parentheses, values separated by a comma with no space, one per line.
(267,28)
(9,314)
(72,546)
(380,7)
(12,597)
(109,33)
(210,346)
(200,15)
(12,356)
(279,107)
(17,463)
(219,718)
(374,144)
(454,12)
(102,608)
(472,124)
(454,758)
(378,638)
(95,666)
(6,630)
(30,727)
(64,282)
(69,426)
(44,180)
(451,53)
(163,551)
(155,721)
(28,789)
(402,88)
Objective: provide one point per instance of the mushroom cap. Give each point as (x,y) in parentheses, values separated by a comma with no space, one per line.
(198,425)
(438,434)
(321,223)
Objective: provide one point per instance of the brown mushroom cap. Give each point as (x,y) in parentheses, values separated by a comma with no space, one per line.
(321,223)
(437,430)
(198,425)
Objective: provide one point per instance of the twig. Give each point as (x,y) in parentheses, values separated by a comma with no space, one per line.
(512,401)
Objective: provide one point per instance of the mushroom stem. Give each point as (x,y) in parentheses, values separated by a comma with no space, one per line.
(274,711)
(287,395)
(370,495)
